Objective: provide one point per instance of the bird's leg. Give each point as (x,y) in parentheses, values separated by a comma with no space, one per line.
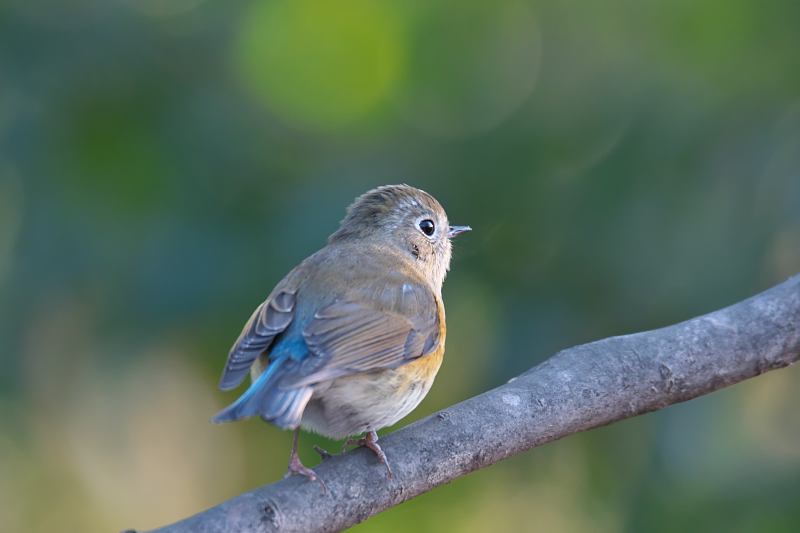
(370,440)
(296,467)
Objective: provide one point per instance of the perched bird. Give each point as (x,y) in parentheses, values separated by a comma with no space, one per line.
(351,339)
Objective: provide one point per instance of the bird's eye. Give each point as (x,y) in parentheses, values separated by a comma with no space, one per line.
(427,227)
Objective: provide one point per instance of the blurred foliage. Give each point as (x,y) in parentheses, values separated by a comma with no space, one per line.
(163,163)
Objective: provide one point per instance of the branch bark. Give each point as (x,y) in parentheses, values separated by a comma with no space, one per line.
(577,389)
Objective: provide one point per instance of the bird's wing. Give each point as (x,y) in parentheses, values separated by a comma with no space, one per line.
(394,322)
(267,321)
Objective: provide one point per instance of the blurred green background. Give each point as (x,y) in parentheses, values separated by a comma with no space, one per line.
(625,165)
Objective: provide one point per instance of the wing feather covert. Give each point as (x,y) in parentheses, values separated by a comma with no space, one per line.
(271,318)
(349,337)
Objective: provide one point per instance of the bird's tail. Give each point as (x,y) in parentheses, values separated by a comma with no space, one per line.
(284,408)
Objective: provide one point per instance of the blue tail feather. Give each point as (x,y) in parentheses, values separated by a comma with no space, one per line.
(284,408)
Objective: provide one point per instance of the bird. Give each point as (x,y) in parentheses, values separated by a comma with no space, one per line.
(350,341)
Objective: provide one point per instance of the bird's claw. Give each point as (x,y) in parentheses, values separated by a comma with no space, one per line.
(353,442)
(370,440)
(296,467)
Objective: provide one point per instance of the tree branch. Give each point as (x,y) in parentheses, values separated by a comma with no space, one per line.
(577,389)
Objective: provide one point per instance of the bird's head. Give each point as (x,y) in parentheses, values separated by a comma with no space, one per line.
(407,220)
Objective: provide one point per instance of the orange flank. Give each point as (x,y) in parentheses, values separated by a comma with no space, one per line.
(425,368)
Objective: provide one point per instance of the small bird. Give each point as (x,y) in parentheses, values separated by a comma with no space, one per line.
(350,341)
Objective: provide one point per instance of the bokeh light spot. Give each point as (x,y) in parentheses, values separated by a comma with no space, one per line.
(320,64)
(148,425)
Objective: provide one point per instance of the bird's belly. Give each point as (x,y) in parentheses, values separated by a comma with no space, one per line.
(370,401)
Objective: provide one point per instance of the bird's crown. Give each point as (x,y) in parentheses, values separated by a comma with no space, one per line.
(375,205)
(387,206)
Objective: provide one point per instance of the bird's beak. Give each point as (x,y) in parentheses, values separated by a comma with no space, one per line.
(455,231)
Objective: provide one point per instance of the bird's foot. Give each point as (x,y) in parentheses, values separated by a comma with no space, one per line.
(370,440)
(296,467)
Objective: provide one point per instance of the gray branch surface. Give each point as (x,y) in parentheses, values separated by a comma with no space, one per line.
(577,389)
